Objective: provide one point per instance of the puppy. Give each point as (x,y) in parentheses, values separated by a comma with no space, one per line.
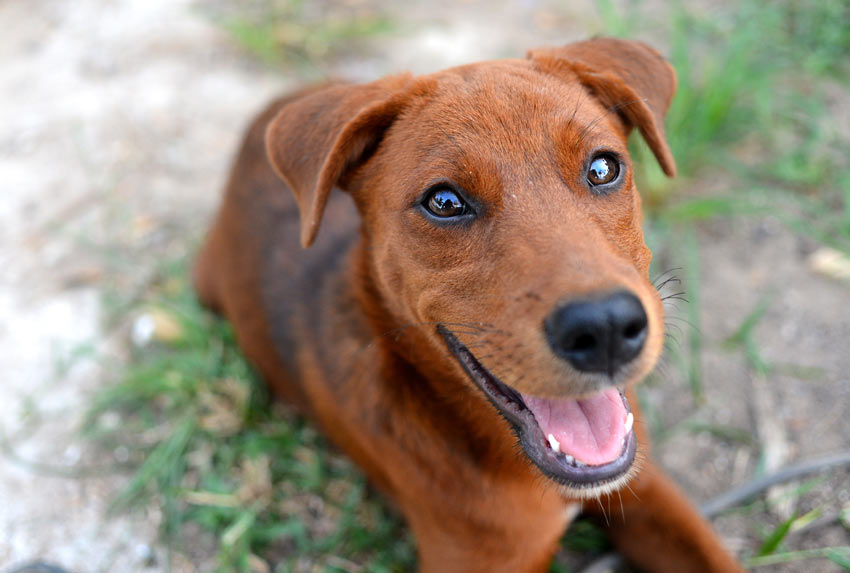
(471,319)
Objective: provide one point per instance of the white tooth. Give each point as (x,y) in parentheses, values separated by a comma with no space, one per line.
(630,421)
(569,458)
(556,446)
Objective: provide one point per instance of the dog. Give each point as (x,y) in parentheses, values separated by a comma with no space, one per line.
(470,322)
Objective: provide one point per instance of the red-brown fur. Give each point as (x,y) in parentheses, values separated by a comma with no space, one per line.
(345,330)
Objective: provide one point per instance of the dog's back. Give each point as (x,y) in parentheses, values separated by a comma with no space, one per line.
(253,270)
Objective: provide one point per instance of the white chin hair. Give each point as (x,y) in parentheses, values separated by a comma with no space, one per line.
(596,491)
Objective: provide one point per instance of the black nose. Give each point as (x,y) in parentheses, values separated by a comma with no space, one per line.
(598,335)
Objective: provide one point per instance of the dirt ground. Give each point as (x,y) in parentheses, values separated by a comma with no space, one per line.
(117,123)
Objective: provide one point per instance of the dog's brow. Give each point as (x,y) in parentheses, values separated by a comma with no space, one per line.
(587,129)
(450,138)
(579,100)
(451,159)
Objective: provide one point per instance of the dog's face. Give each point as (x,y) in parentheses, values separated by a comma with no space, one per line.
(499,208)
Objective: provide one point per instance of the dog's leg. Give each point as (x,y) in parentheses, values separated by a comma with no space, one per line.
(658,528)
(495,535)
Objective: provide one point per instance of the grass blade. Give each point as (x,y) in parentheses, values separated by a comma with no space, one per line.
(775,538)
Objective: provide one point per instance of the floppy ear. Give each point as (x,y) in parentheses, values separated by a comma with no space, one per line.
(319,137)
(626,76)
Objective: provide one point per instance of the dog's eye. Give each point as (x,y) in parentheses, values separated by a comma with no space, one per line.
(603,169)
(445,203)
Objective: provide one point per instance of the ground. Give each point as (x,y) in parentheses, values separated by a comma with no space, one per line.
(117,124)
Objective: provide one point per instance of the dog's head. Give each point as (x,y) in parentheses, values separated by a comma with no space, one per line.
(499,206)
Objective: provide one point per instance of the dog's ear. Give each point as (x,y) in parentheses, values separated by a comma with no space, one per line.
(319,137)
(627,77)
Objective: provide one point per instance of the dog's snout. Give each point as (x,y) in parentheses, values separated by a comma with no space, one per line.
(598,335)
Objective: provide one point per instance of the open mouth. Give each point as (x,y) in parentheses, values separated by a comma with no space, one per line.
(585,443)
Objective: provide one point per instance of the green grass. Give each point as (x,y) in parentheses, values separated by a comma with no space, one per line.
(750,112)
(838,555)
(299,33)
(209,448)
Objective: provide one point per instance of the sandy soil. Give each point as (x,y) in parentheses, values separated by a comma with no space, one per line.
(117,123)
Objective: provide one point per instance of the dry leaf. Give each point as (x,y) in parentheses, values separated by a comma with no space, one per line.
(830,263)
(155,325)
(256,480)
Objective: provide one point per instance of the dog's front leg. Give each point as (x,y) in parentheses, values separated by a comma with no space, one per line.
(500,528)
(659,530)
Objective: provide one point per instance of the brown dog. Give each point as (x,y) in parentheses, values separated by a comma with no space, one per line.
(468,321)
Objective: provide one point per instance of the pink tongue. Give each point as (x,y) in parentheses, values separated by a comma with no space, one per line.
(591,429)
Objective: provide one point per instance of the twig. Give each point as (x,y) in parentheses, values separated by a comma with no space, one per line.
(775,449)
(750,489)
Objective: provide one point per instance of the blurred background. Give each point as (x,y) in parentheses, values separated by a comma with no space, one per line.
(134,438)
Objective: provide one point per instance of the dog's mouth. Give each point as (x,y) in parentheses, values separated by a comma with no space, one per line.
(587,444)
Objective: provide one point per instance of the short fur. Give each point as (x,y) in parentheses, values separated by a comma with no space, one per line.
(346,330)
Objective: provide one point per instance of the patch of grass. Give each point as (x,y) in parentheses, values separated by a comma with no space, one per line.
(772,541)
(743,336)
(297,32)
(695,340)
(838,555)
(819,36)
(210,449)
(746,94)
(749,110)
(586,537)
(751,117)
(726,433)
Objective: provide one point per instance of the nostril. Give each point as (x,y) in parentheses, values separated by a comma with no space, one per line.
(634,329)
(583,342)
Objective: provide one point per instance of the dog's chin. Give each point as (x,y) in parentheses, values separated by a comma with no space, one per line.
(586,445)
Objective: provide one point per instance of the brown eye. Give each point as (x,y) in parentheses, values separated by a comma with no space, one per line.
(444,203)
(603,169)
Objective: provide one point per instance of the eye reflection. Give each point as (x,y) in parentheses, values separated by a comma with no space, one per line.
(603,169)
(445,203)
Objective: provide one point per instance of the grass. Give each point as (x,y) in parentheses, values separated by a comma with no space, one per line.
(298,33)
(838,555)
(210,450)
(749,112)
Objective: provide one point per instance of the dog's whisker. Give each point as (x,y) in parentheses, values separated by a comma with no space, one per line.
(684,320)
(602,508)
(664,274)
(673,326)
(675,295)
(669,280)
